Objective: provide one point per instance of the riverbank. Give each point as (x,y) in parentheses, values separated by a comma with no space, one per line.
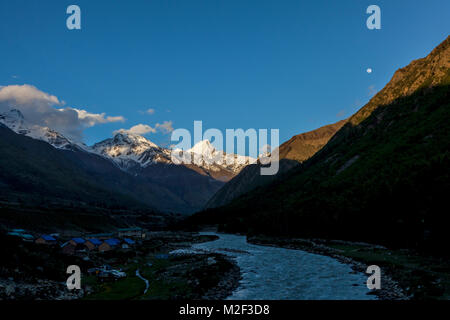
(38,272)
(405,274)
(190,276)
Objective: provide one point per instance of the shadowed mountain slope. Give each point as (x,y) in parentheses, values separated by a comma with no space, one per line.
(294,151)
(35,172)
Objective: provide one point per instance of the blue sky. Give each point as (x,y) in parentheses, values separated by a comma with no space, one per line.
(292,65)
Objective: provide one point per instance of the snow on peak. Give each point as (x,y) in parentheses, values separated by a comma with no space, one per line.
(206,156)
(203,147)
(14,120)
(124,137)
(128,149)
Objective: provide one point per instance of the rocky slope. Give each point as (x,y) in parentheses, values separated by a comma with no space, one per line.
(293,152)
(303,146)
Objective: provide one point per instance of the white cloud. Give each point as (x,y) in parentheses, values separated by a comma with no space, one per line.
(142,129)
(91,119)
(39,108)
(150,111)
(165,127)
(139,129)
(27,94)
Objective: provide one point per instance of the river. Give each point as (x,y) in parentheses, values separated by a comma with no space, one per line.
(283,274)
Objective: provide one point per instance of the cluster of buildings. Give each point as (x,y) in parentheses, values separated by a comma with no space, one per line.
(90,244)
(124,238)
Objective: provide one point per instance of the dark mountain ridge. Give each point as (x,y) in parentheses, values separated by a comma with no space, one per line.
(33,171)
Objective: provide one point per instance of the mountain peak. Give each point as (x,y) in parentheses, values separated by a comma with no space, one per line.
(125,137)
(13,119)
(127,149)
(203,147)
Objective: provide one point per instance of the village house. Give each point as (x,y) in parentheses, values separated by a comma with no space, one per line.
(27,237)
(68,248)
(108,245)
(46,239)
(127,243)
(104,247)
(77,241)
(93,243)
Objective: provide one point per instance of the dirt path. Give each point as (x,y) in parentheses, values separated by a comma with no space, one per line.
(147,285)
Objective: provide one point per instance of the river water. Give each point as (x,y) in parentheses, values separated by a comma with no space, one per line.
(276,273)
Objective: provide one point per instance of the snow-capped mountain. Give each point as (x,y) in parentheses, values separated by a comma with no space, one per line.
(131,151)
(14,120)
(128,150)
(206,156)
(129,169)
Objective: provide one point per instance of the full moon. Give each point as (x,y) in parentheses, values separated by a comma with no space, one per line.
(369,70)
